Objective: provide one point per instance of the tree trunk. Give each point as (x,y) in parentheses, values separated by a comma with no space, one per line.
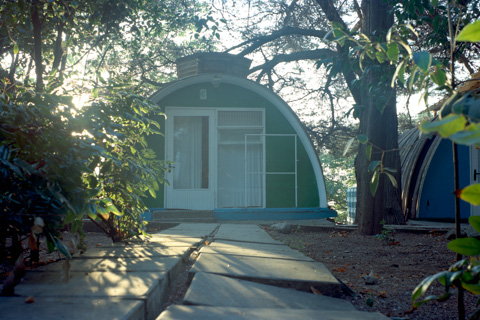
(37,43)
(378,121)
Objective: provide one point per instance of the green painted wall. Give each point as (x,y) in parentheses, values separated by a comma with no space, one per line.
(279,153)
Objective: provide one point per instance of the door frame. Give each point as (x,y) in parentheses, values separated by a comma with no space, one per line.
(191,199)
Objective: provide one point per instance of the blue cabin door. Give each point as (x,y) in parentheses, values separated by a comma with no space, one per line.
(474,175)
(190,135)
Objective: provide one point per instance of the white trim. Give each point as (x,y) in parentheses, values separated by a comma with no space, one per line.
(270,96)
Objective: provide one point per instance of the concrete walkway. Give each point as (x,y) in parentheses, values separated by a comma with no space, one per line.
(245,274)
(240,273)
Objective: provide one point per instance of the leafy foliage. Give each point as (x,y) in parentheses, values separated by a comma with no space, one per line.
(339,175)
(458,122)
(464,274)
(60,163)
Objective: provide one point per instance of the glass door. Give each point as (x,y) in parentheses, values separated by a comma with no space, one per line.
(189,135)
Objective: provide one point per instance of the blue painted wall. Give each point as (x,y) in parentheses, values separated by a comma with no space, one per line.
(437,201)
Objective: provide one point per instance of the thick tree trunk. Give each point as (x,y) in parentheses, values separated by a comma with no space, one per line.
(378,122)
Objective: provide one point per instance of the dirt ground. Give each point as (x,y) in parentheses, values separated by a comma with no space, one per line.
(399,267)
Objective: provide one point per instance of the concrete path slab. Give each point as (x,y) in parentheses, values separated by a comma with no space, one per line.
(134,251)
(254,250)
(150,287)
(244,233)
(229,292)
(300,275)
(168,240)
(191,230)
(222,313)
(162,265)
(61,308)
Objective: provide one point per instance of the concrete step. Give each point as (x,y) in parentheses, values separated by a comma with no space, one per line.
(128,282)
(301,275)
(183,216)
(242,253)
(175,312)
(77,308)
(244,233)
(229,292)
(253,249)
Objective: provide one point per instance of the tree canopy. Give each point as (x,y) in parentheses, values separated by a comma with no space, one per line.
(348,43)
(61,162)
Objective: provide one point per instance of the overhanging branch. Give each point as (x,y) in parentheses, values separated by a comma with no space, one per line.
(259,41)
(295,56)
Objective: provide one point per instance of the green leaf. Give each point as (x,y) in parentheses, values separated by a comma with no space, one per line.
(439,77)
(471,32)
(368,151)
(152,192)
(15,49)
(113,209)
(422,288)
(381,57)
(362,138)
(473,288)
(423,60)
(470,194)
(465,246)
(61,247)
(373,165)
(434,3)
(348,145)
(399,73)
(445,127)
(392,179)
(374,182)
(393,52)
(50,244)
(468,138)
(474,221)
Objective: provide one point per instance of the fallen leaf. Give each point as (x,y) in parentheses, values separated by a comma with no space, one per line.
(315,291)
(29,299)
(340,269)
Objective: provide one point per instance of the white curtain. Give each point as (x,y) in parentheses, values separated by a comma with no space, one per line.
(240,168)
(187,150)
(254,170)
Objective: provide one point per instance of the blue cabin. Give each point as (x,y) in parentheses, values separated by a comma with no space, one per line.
(427,176)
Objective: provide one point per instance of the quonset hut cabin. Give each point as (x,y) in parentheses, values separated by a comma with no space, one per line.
(427,172)
(235,147)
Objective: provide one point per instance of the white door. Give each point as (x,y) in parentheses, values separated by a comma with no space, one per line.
(474,175)
(190,135)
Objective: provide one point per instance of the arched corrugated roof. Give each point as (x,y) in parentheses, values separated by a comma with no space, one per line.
(416,153)
(268,95)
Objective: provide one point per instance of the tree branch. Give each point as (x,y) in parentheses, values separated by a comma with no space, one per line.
(259,41)
(295,56)
(331,12)
(58,52)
